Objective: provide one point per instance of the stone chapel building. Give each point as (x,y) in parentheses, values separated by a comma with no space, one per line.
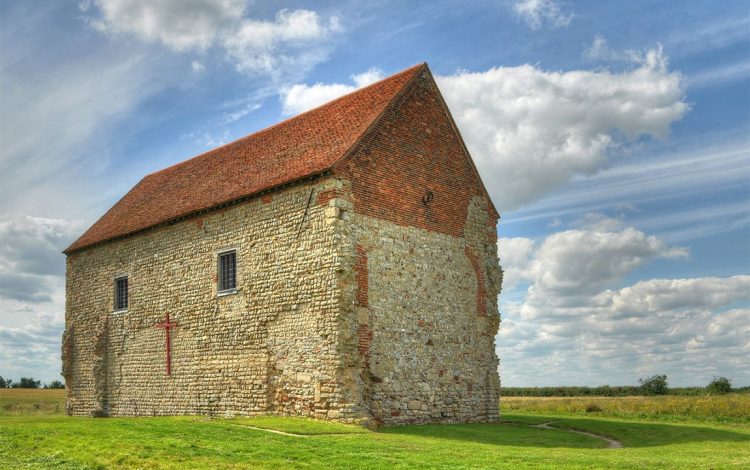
(341,264)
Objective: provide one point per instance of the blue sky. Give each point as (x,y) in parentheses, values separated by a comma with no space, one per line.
(613,137)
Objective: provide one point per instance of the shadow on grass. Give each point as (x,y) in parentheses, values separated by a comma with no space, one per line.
(504,434)
(630,433)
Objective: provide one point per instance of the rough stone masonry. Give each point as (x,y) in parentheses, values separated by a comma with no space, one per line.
(366,275)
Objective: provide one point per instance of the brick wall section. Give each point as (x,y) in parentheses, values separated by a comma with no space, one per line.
(326,196)
(364,334)
(361,275)
(413,169)
(479,275)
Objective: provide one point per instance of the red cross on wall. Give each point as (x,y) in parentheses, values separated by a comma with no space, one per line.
(167,326)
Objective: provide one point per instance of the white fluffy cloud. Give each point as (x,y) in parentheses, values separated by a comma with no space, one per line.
(581,260)
(568,322)
(180,24)
(584,260)
(287,45)
(301,97)
(531,130)
(515,257)
(538,13)
(619,336)
(661,295)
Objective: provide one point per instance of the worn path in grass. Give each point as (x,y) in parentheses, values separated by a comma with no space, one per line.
(613,443)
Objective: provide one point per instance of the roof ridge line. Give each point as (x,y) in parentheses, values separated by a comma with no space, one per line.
(284,159)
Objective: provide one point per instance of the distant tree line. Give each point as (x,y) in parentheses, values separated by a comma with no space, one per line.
(29,382)
(654,385)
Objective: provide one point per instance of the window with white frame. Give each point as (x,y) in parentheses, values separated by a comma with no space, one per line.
(121,293)
(227,271)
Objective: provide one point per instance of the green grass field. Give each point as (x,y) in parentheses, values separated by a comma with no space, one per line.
(33,434)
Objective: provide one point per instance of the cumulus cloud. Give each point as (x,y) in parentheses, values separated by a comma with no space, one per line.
(179,24)
(621,335)
(660,295)
(282,44)
(530,131)
(539,13)
(572,322)
(302,97)
(291,43)
(582,260)
(515,257)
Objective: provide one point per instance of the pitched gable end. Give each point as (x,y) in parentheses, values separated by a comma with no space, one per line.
(412,167)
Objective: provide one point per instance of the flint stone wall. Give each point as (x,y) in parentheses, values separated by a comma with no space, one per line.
(425,340)
(271,347)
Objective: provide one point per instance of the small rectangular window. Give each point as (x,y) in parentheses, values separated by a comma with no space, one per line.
(121,293)
(227,271)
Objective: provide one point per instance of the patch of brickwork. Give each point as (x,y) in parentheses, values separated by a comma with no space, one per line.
(480,234)
(324,197)
(270,347)
(413,169)
(479,275)
(360,272)
(365,338)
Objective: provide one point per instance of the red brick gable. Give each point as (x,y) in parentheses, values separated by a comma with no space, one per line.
(413,168)
(305,145)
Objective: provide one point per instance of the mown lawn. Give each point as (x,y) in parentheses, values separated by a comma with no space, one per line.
(55,441)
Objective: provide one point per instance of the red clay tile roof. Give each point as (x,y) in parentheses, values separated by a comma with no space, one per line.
(304,145)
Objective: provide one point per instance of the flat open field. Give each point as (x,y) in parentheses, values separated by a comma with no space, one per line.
(731,408)
(46,439)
